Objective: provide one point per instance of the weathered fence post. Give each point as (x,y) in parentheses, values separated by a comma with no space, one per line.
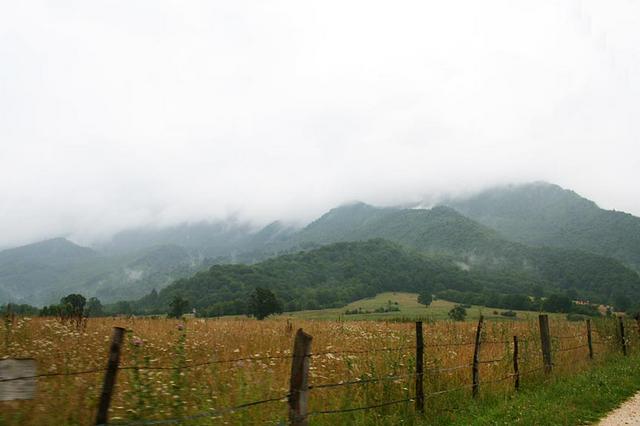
(475,378)
(545,343)
(299,382)
(589,339)
(623,339)
(110,376)
(516,369)
(419,368)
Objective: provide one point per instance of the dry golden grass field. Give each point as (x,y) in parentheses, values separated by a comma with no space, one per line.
(235,361)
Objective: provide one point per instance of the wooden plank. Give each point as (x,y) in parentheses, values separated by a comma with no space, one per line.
(110,376)
(419,368)
(299,381)
(475,371)
(545,343)
(14,387)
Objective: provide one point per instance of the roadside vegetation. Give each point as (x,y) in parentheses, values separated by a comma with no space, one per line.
(578,399)
(179,367)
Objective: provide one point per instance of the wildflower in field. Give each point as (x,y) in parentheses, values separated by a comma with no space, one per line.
(136,341)
(180,326)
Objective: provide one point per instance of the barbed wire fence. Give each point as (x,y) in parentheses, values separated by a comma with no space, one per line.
(301,357)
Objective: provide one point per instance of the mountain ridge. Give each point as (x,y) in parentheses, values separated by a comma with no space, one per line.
(544,214)
(148,260)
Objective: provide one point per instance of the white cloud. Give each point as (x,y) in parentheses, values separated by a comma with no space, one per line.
(119,113)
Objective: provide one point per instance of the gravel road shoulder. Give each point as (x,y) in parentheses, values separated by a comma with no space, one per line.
(627,414)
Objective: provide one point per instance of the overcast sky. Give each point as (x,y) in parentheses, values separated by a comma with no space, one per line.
(124,113)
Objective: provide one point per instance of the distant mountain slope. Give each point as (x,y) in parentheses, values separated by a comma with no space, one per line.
(546,214)
(56,251)
(132,264)
(112,278)
(340,222)
(34,269)
(41,273)
(329,276)
(442,230)
(336,274)
(205,239)
(438,230)
(139,260)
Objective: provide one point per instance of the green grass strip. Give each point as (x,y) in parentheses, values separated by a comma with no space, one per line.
(579,399)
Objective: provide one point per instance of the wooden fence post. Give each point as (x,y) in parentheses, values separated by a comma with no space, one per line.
(110,376)
(545,342)
(419,368)
(589,339)
(516,369)
(299,382)
(475,378)
(623,340)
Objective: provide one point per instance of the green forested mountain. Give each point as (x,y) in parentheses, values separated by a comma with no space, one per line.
(137,261)
(340,223)
(442,230)
(53,252)
(41,273)
(26,272)
(133,263)
(225,239)
(329,276)
(545,214)
(339,273)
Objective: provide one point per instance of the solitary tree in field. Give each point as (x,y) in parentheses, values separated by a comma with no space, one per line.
(425,297)
(178,307)
(72,308)
(263,303)
(73,305)
(458,313)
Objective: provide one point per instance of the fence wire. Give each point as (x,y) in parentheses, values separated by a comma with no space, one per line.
(368,407)
(201,415)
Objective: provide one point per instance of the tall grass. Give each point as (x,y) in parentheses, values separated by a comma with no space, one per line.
(158,394)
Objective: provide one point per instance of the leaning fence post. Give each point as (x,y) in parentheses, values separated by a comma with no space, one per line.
(110,376)
(299,382)
(589,339)
(623,340)
(545,342)
(516,369)
(475,379)
(419,368)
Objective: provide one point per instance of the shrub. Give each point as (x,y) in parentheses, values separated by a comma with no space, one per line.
(263,303)
(458,313)
(576,317)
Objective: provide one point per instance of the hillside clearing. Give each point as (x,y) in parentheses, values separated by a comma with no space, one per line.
(409,309)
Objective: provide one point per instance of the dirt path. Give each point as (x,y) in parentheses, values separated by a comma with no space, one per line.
(627,414)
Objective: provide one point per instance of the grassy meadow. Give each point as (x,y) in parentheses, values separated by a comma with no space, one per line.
(410,309)
(232,361)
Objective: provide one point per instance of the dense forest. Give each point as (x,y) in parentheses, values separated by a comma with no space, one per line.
(337,274)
